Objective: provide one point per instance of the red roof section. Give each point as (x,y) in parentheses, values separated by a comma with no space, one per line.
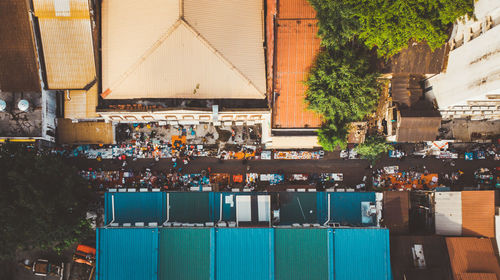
(270,17)
(296,45)
(296,9)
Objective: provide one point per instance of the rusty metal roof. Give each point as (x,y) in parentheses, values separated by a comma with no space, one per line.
(472,257)
(84,132)
(418,58)
(417,129)
(478,213)
(295,9)
(435,254)
(296,50)
(18,60)
(396,211)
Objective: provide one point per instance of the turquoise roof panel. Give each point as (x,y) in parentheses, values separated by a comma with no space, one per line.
(345,208)
(127,253)
(360,254)
(132,207)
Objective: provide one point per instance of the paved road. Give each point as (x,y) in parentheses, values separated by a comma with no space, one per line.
(353,169)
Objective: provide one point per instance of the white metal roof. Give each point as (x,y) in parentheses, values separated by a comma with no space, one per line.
(183,49)
(448,213)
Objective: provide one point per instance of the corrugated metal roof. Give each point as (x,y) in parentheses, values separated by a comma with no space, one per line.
(296,48)
(295,9)
(346,207)
(362,254)
(185,253)
(61,8)
(298,207)
(418,129)
(68,52)
(84,132)
(418,58)
(136,207)
(191,207)
(244,253)
(127,253)
(183,49)
(478,212)
(448,213)
(18,59)
(396,211)
(67,43)
(82,105)
(301,254)
(240,21)
(472,255)
(435,255)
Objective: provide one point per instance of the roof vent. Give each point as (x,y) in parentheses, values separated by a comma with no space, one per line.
(418,256)
(23,105)
(3,105)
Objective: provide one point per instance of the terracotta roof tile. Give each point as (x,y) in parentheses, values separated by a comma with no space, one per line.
(296,49)
(295,9)
(472,255)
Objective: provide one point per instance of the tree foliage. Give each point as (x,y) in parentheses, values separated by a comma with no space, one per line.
(333,135)
(43,201)
(343,88)
(373,148)
(337,22)
(388,25)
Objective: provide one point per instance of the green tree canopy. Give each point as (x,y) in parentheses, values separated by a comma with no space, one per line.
(373,148)
(43,201)
(337,22)
(343,88)
(388,25)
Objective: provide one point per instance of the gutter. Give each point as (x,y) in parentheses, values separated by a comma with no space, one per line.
(328,220)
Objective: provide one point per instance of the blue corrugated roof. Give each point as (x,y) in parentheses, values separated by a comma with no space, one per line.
(136,207)
(127,253)
(345,207)
(361,254)
(244,253)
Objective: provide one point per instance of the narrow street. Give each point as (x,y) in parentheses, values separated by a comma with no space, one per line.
(353,169)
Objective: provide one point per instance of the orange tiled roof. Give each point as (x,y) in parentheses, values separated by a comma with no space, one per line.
(296,48)
(472,257)
(294,9)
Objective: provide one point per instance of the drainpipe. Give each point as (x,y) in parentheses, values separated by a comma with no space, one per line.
(220,209)
(327,221)
(112,208)
(168,207)
(67,95)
